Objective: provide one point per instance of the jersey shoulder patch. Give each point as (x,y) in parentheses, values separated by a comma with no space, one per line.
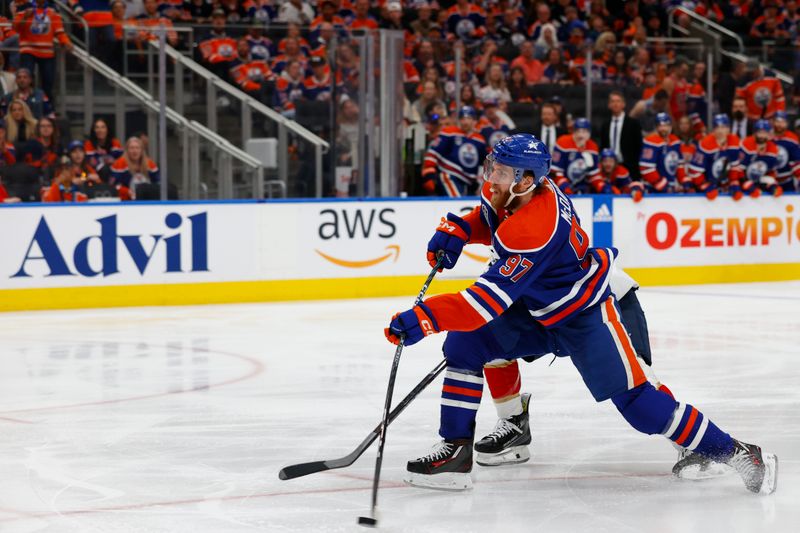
(531,228)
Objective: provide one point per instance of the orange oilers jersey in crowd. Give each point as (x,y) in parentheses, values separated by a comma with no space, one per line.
(367,23)
(661,161)
(455,154)
(218,50)
(37,29)
(714,163)
(763,96)
(788,156)
(759,163)
(146,23)
(574,167)
(96,13)
(9,155)
(541,259)
(60,193)
(282,60)
(121,174)
(337,21)
(99,156)
(251,75)
(6,29)
(466,26)
(305,48)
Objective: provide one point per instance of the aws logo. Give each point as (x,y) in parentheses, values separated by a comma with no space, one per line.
(358,224)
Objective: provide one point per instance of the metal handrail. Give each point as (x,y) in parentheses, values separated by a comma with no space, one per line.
(243,97)
(75,17)
(173,116)
(785,78)
(707,23)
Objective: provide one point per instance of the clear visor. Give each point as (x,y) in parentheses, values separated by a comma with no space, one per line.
(495,172)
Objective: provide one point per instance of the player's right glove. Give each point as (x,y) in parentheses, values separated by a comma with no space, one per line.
(413,325)
(450,237)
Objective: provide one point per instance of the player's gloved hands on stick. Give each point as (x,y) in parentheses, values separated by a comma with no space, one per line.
(413,325)
(450,237)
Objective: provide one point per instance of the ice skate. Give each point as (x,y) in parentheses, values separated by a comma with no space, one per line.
(759,470)
(696,467)
(447,467)
(508,443)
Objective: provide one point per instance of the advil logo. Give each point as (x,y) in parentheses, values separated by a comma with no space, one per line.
(359,224)
(52,254)
(663,231)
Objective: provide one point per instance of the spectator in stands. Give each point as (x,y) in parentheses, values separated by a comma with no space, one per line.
(34,98)
(556,69)
(289,89)
(261,47)
(547,126)
(46,146)
(425,58)
(293,32)
(325,34)
(488,56)
(576,159)
(542,18)
(132,169)
(494,87)
(7,151)
(424,22)
(65,186)
(546,42)
(261,12)
(327,12)
(677,86)
(619,73)
(347,68)
(531,66)
(117,46)
(622,134)
(234,10)
(8,82)
(495,123)
(97,14)
(468,97)
(218,49)
(645,110)
(394,17)
(9,40)
(20,124)
(152,19)
(317,85)
(81,167)
(102,148)
(197,11)
(291,52)
(253,76)
(763,92)
(518,87)
(362,20)
(38,27)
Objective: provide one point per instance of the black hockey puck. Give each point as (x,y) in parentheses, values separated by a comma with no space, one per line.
(367,521)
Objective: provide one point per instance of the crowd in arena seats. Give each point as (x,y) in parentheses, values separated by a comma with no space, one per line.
(525,67)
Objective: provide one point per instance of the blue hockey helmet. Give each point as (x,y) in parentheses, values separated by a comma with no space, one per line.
(582,123)
(762,124)
(467,111)
(781,115)
(663,118)
(607,152)
(722,120)
(521,152)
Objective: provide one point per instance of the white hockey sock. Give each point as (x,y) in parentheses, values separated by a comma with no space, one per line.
(509,406)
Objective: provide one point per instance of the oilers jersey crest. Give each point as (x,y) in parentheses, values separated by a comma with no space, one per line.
(660,161)
(456,155)
(713,163)
(759,164)
(788,158)
(574,167)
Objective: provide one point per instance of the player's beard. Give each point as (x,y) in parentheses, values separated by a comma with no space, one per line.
(499,199)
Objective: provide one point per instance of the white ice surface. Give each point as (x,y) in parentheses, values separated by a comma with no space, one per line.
(178,419)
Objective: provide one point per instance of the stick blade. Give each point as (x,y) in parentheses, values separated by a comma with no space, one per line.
(304,469)
(367,521)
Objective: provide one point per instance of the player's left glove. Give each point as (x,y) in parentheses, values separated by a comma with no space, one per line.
(414,325)
(450,237)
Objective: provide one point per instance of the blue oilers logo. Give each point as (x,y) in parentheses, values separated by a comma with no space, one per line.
(225,50)
(576,170)
(260,51)
(756,170)
(468,155)
(465,28)
(783,156)
(40,25)
(671,162)
(718,167)
(497,136)
(763,96)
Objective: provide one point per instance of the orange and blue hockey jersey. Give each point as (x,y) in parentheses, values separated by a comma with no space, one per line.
(252,74)
(542,258)
(660,162)
(574,167)
(759,163)
(467,26)
(714,164)
(121,174)
(492,133)
(37,29)
(454,155)
(764,96)
(788,159)
(261,48)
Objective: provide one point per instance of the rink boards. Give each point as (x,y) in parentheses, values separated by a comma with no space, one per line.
(152,253)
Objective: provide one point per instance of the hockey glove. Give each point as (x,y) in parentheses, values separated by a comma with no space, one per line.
(637,194)
(712,193)
(450,237)
(412,325)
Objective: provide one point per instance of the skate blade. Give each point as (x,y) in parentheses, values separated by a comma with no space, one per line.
(452,481)
(770,482)
(511,456)
(699,473)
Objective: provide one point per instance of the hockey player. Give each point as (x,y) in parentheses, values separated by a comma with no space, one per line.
(788,171)
(495,124)
(547,292)
(760,161)
(716,161)
(575,159)
(453,159)
(615,178)
(660,162)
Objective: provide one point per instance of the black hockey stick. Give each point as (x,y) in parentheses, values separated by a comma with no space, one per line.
(304,469)
(372,520)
